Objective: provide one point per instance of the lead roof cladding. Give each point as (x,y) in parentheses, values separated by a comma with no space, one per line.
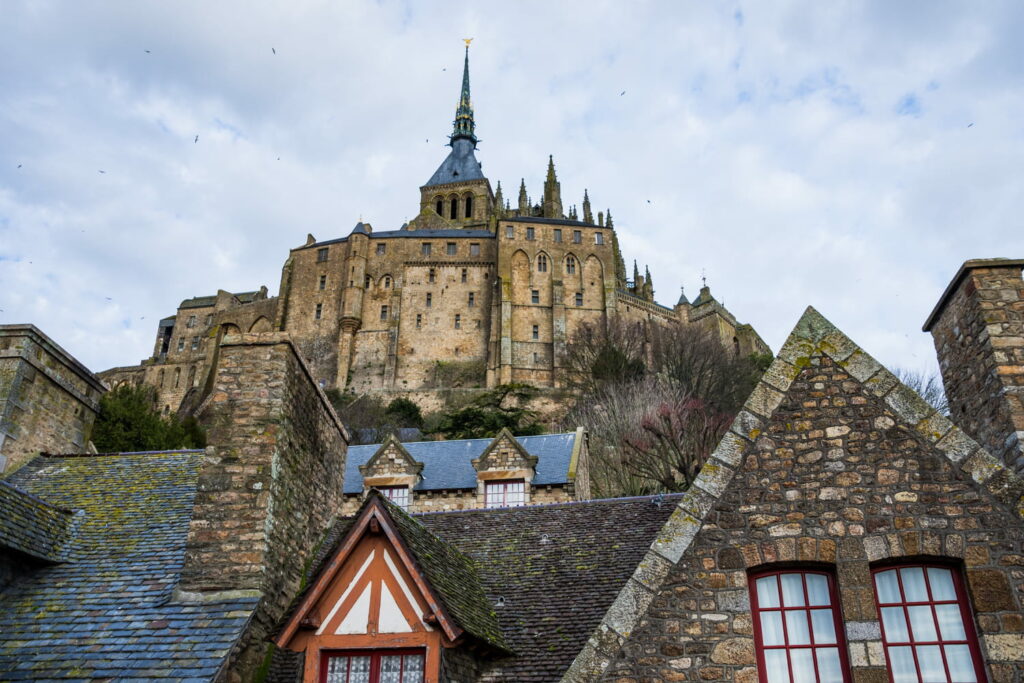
(448,464)
(107,612)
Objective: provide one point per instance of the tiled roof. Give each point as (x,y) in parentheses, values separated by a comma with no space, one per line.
(108,613)
(459,166)
(553,569)
(551,221)
(448,464)
(32,526)
(206,301)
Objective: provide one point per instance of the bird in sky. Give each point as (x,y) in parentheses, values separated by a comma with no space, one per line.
(108,298)
(622,93)
(273,50)
(196,140)
(969,125)
(102,171)
(147,52)
(19,165)
(648,201)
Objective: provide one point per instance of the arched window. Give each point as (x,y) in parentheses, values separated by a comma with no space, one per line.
(160,379)
(439,206)
(542,263)
(469,206)
(387,282)
(177,377)
(369,281)
(570,265)
(455,207)
(927,626)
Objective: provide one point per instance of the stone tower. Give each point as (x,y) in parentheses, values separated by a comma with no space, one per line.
(978,330)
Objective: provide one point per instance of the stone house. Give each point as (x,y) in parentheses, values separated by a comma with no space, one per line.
(506,471)
(473,292)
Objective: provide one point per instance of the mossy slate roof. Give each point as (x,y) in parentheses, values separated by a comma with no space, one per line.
(30,525)
(107,612)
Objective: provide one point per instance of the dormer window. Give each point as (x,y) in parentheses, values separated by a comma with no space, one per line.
(374,666)
(399,495)
(500,494)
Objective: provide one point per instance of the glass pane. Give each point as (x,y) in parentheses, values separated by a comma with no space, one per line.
(829,670)
(941,581)
(895,625)
(359,672)
(796,628)
(391,669)
(767,592)
(413,671)
(824,626)
(887,587)
(792,590)
(777,666)
(337,669)
(771,628)
(929,658)
(803,664)
(817,590)
(921,623)
(951,626)
(961,666)
(901,661)
(913,584)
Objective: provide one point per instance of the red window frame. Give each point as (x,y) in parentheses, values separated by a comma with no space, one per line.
(375,657)
(503,486)
(966,617)
(756,610)
(404,497)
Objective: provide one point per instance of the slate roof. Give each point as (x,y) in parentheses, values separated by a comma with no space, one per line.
(459,166)
(108,612)
(410,234)
(206,301)
(32,526)
(553,221)
(557,569)
(448,464)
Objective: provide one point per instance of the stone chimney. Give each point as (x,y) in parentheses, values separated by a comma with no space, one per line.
(978,330)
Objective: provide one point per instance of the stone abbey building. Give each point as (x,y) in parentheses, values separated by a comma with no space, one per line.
(475,291)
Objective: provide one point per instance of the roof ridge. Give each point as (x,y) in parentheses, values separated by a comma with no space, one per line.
(564,503)
(169,451)
(482,438)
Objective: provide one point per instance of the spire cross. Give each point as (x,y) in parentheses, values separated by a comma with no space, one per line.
(703,277)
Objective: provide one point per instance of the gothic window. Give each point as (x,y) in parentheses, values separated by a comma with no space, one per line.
(579,298)
(499,494)
(927,625)
(430,299)
(321,254)
(570,265)
(381,249)
(177,377)
(451,249)
(577,237)
(558,234)
(383,312)
(798,632)
(373,666)
(598,238)
(160,379)
(472,299)
(474,249)
(455,207)
(439,206)
(425,248)
(399,495)
(536,331)
(469,206)
(387,282)
(319,312)
(323,282)
(542,263)
(458,321)
(368,281)
(530,234)
(432,275)
(534,296)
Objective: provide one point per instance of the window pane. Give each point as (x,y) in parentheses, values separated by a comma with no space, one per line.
(913,584)
(796,628)
(887,587)
(792,590)
(901,661)
(894,625)
(961,666)
(824,626)
(921,623)
(359,672)
(771,628)
(817,590)
(941,581)
(803,664)
(777,666)
(768,592)
(337,669)
(929,658)
(829,669)
(413,669)
(951,625)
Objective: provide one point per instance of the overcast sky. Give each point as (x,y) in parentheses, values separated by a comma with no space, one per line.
(848,155)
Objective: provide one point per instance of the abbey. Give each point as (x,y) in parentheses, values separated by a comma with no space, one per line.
(475,291)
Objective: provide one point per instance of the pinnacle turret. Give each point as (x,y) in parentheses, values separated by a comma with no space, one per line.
(552,202)
(464,126)
(524,200)
(588,216)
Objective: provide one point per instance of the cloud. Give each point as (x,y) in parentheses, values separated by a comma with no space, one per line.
(796,152)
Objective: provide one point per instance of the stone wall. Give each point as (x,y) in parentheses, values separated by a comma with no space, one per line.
(836,479)
(48,400)
(270,485)
(462,499)
(978,330)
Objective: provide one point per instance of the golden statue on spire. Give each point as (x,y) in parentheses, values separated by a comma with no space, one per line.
(467,41)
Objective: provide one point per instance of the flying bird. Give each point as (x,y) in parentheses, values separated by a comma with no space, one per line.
(19,165)
(102,171)
(196,140)
(108,298)
(273,50)
(648,201)
(622,93)
(969,125)
(147,52)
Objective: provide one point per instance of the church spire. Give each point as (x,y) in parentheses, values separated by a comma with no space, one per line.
(464,126)
(524,200)
(588,216)
(552,192)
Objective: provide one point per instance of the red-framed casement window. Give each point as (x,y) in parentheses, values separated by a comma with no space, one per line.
(797,627)
(927,626)
(372,666)
(399,495)
(511,493)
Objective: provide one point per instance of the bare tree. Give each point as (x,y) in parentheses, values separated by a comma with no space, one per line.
(928,385)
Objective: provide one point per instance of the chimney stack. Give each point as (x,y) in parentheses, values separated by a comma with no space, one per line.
(978,330)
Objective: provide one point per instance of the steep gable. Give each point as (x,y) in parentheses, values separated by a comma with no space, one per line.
(831,462)
(391,465)
(505,457)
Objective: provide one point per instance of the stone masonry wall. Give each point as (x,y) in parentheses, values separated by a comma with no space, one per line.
(270,486)
(979,337)
(834,480)
(464,499)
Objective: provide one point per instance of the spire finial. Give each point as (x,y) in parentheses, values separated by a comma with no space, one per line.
(464,126)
